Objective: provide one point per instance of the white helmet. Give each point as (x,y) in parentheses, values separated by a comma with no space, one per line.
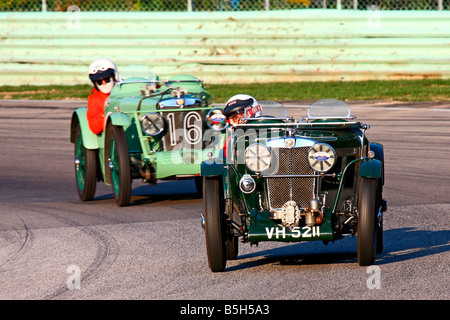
(243,102)
(103,69)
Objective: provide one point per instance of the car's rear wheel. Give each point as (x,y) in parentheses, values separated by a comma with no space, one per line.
(118,162)
(85,161)
(232,247)
(367,229)
(214,227)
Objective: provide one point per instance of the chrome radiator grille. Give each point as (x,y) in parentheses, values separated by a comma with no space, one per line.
(301,190)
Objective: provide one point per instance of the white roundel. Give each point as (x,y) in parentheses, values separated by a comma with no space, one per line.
(152,124)
(216,120)
(257,157)
(321,157)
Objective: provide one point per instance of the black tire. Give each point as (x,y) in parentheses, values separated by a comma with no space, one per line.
(118,162)
(379,224)
(85,161)
(367,222)
(379,155)
(214,228)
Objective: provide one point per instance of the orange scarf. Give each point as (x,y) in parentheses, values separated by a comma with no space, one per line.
(96,110)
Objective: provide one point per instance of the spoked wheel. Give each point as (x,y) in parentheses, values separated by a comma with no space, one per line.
(118,161)
(368,227)
(85,168)
(214,228)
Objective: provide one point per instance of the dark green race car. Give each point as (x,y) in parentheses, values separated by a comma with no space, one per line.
(285,179)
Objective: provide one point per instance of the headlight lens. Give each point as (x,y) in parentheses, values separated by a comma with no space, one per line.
(247,184)
(216,120)
(257,157)
(152,124)
(321,157)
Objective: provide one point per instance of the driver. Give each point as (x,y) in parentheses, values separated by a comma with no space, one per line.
(103,75)
(241,106)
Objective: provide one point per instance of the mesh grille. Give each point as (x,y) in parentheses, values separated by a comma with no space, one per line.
(300,190)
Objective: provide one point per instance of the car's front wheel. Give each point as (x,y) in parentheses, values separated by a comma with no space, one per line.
(367,229)
(85,161)
(214,228)
(118,162)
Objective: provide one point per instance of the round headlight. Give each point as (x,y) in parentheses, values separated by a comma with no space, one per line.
(152,124)
(247,184)
(321,157)
(216,120)
(257,157)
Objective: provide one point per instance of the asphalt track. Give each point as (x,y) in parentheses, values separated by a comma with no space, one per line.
(52,246)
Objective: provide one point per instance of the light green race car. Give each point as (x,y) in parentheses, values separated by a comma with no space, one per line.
(154,129)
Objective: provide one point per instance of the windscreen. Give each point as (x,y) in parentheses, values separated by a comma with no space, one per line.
(273,109)
(130,73)
(329,109)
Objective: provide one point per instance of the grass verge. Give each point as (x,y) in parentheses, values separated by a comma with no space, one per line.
(396,90)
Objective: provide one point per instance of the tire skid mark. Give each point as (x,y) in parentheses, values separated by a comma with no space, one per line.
(25,246)
(107,252)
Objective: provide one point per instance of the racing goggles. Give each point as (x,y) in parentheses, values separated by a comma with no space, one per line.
(237,117)
(99,82)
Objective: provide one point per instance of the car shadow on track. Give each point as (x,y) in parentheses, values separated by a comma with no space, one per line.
(298,254)
(409,243)
(145,194)
(399,245)
(297,260)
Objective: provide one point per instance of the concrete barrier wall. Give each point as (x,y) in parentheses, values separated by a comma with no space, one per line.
(227,47)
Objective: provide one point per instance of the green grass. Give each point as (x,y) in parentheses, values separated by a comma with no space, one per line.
(54,92)
(398,90)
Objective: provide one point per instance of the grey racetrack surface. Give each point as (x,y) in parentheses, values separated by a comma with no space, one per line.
(154,249)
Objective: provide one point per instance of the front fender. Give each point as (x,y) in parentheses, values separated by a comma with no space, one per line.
(90,139)
(370,168)
(379,155)
(118,119)
(211,168)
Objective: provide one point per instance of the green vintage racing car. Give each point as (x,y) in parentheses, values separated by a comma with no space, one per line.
(291,180)
(154,129)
